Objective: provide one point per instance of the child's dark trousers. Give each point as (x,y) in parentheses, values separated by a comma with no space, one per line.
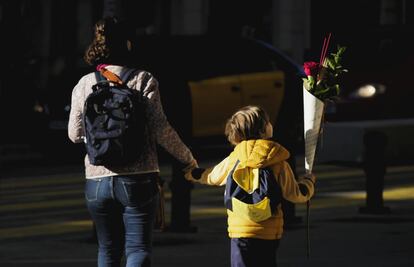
(253,252)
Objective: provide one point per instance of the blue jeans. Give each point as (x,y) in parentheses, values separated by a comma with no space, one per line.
(122,209)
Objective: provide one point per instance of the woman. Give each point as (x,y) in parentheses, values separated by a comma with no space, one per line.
(122,199)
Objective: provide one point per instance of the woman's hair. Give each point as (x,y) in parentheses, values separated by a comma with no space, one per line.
(109,45)
(247,123)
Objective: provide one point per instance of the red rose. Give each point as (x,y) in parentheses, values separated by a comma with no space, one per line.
(311,68)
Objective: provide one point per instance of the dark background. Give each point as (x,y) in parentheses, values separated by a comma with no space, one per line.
(42,44)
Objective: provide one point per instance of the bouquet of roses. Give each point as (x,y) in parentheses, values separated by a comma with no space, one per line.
(320,85)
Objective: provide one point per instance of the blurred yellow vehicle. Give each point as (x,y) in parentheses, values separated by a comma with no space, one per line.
(203,80)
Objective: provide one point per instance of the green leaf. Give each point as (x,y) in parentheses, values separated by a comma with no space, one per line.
(328,86)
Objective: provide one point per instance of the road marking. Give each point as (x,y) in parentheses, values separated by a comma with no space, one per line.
(209,212)
(53,186)
(30,261)
(359,172)
(43,205)
(397,193)
(40,216)
(46,229)
(16,183)
(30,196)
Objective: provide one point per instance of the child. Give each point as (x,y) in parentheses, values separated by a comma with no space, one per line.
(254,237)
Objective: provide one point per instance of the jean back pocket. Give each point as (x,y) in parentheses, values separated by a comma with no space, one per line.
(92,189)
(139,192)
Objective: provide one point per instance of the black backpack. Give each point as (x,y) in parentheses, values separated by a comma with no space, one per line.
(258,205)
(114,121)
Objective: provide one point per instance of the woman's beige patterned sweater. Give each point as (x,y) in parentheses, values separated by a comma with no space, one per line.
(160,130)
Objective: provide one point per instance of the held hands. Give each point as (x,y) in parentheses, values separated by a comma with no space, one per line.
(188,169)
(192,171)
(193,164)
(195,174)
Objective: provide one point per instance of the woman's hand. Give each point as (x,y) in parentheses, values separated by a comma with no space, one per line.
(190,166)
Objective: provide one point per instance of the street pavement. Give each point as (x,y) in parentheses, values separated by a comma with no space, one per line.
(44,222)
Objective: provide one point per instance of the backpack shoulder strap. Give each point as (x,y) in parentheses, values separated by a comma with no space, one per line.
(99,76)
(126,76)
(99,80)
(231,186)
(110,76)
(230,175)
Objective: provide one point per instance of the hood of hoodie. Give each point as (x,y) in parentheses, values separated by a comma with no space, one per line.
(255,154)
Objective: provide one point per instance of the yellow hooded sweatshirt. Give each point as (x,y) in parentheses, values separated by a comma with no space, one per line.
(253,154)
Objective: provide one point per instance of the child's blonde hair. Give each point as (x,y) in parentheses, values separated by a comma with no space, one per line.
(249,122)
